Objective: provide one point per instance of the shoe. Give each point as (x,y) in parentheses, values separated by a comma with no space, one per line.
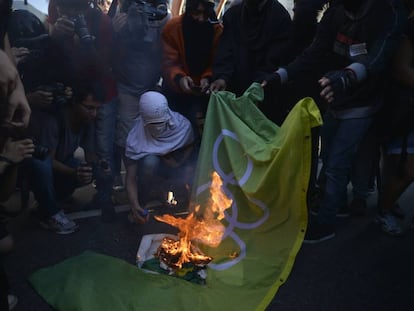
(389,223)
(60,224)
(316,233)
(12,301)
(358,207)
(343,212)
(118,184)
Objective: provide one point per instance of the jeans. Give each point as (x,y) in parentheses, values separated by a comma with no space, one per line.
(128,110)
(41,183)
(366,165)
(105,133)
(341,139)
(48,187)
(4,289)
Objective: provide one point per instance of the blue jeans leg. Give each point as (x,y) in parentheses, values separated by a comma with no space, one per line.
(341,138)
(41,183)
(64,187)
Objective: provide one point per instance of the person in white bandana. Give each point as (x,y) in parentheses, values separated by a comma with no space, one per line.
(160,140)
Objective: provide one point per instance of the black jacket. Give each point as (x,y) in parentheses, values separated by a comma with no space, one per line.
(251,45)
(368,38)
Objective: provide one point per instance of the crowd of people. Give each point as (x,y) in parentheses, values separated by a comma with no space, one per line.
(129,83)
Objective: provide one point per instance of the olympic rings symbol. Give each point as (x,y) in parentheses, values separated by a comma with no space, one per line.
(229,178)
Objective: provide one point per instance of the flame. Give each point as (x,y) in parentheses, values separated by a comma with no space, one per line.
(206,229)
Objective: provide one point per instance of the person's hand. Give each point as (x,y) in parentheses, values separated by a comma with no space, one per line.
(185,84)
(20,54)
(68,92)
(218,85)
(63,28)
(40,99)
(269,78)
(204,84)
(15,110)
(84,173)
(336,83)
(17,151)
(119,21)
(138,215)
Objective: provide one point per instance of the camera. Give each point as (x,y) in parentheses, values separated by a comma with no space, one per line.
(81,29)
(36,45)
(58,91)
(40,152)
(147,8)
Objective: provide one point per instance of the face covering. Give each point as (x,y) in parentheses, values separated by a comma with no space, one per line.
(156,129)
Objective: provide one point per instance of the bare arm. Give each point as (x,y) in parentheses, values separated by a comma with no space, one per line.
(138,214)
(16,113)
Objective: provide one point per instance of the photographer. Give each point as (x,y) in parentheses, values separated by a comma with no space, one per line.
(36,62)
(83,36)
(57,177)
(137,25)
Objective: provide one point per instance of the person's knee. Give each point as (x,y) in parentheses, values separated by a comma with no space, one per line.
(40,169)
(150,163)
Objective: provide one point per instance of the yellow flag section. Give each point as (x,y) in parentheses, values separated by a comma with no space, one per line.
(265,170)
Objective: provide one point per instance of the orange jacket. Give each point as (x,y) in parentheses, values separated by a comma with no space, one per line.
(174,61)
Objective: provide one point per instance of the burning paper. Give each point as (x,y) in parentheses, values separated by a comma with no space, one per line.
(206,228)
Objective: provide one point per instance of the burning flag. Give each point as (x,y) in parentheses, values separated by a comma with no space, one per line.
(264,171)
(182,257)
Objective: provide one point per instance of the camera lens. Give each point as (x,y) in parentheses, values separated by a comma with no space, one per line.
(82,30)
(40,152)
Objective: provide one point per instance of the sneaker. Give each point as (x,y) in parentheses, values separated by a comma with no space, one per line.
(118,185)
(389,223)
(343,211)
(316,233)
(358,207)
(12,301)
(60,224)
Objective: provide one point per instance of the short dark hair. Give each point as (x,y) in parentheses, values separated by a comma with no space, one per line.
(83,88)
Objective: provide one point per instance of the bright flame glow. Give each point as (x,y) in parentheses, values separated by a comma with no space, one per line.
(206,229)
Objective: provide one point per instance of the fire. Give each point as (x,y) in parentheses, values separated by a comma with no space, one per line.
(206,228)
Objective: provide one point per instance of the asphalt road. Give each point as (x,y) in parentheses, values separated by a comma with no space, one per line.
(360,269)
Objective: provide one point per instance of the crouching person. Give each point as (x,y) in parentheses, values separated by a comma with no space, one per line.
(56,176)
(160,142)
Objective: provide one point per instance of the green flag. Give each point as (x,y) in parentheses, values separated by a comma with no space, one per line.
(265,171)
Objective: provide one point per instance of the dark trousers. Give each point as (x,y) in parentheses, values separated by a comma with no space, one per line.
(4,289)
